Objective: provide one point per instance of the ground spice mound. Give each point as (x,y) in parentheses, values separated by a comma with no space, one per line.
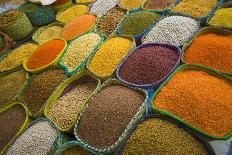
(11,121)
(40,88)
(75,150)
(202,100)
(211,50)
(10,85)
(9,16)
(148,64)
(158,136)
(107,115)
(158,4)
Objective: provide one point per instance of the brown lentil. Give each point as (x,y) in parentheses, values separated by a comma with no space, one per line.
(75,150)
(200,99)
(40,88)
(158,4)
(9,16)
(11,121)
(50,33)
(107,115)
(108,23)
(10,85)
(17,56)
(158,136)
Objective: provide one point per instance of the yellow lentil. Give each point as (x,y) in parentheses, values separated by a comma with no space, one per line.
(84,1)
(17,56)
(222,18)
(72,12)
(195,8)
(130,4)
(49,34)
(109,55)
(79,50)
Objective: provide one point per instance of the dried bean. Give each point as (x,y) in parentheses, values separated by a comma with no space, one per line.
(149,64)
(201,99)
(158,136)
(11,121)
(107,115)
(79,50)
(10,85)
(50,33)
(101,7)
(173,30)
(37,139)
(40,88)
(75,150)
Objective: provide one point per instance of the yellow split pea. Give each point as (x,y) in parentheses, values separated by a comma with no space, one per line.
(109,55)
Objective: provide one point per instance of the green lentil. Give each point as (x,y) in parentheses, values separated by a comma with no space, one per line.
(40,88)
(50,33)
(79,50)
(158,136)
(109,22)
(138,22)
(10,85)
(9,16)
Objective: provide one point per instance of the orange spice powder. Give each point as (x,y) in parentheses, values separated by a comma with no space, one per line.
(78,26)
(45,54)
(211,50)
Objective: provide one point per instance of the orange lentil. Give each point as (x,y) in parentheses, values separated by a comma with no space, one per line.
(200,99)
(211,50)
(45,54)
(78,26)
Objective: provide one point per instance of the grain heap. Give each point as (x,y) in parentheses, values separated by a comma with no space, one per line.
(50,33)
(158,4)
(101,7)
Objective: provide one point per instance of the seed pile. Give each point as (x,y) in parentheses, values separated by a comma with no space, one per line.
(11,121)
(40,88)
(17,56)
(130,4)
(148,64)
(75,150)
(67,108)
(37,139)
(79,25)
(72,12)
(10,85)
(45,54)
(79,50)
(84,1)
(174,30)
(9,17)
(158,4)
(158,136)
(107,115)
(108,23)
(212,50)
(195,8)
(222,18)
(50,33)
(1,43)
(199,98)
(138,22)
(101,7)
(105,60)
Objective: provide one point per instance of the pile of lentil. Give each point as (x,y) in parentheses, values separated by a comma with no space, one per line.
(108,23)
(10,85)
(173,30)
(75,150)
(49,33)
(37,139)
(17,56)
(39,89)
(130,4)
(78,26)
(149,64)
(68,107)
(212,50)
(158,4)
(195,8)
(137,23)
(79,50)
(9,17)
(109,55)
(200,99)
(222,18)
(11,122)
(107,115)
(157,136)
(72,12)
(101,7)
